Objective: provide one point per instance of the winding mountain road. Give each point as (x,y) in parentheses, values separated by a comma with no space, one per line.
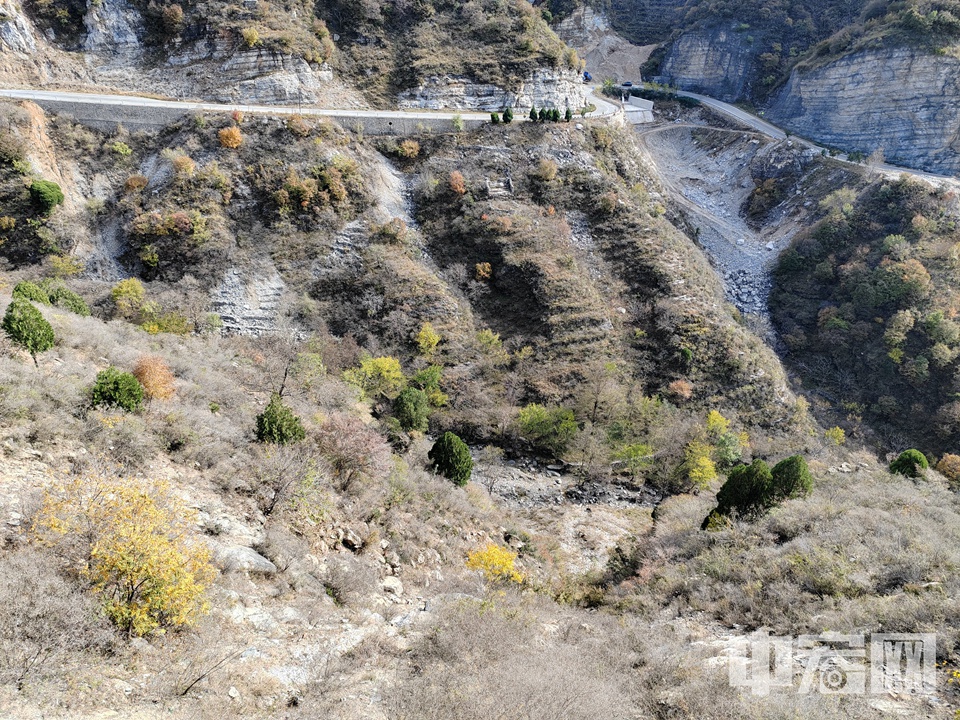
(770,130)
(603,107)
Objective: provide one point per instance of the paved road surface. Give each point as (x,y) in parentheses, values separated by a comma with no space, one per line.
(773,131)
(604,107)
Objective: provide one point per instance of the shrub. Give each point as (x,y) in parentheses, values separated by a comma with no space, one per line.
(427,340)
(132,545)
(791,478)
(748,491)
(483,271)
(428,380)
(451,458)
(494,118)
(910,463)
(508,116)
(949,467)
(251,37)
(278,425)
(550,428)
(699,466)
(31,291)
(24,324)
(298,126)
(184,165)
(64,297)
(377,376)
(412,409)
(457,183)
(835,435)
(42,616)
(114,387)
(135,183)
(408,149)
(155,377)
(128,296)
(46,194)
(495,563)
(457,122)
(230,137)
(121,149)
(62,266)
(353,449)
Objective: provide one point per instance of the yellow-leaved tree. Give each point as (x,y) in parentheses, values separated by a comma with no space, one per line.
(496,563)
(130,539)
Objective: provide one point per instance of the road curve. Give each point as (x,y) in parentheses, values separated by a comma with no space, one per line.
(604,108)
(776,133)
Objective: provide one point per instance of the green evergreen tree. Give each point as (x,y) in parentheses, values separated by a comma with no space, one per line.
(568,115)
(555,115)
(451,458)
(542,116)
(910,463)
(412,409)
(278,425)
(533,114)
(24,324)
(508,115)
(748,491)
(495,118)
(115,388)
(47,195)
(791,478)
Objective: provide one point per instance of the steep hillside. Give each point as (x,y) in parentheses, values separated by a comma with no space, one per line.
(866,302)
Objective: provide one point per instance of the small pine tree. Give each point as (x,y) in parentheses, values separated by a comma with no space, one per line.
(910,463)
(495,118)
(748,490)
(542,115)
(451,458)
(278,425)
(555,115)
(568,115)
(508,116)
(116,388)
(791,478)
(46,194)
(24,324)
(412,409)
(533,114)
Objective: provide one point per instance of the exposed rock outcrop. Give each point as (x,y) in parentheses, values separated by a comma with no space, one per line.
(900,100)
(713,62)
(26,56)
(114,30)
(606,53)
(543,88)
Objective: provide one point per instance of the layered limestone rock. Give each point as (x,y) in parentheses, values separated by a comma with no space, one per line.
(900,100)
(114,30)
(543,88)
(713,62)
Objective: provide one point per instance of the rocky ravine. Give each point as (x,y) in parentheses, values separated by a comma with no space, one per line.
(901,101)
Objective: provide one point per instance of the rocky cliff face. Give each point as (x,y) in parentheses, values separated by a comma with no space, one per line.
(606,53)
(543,88)
(114,30)
(713,62)
(899,100)
(26,56)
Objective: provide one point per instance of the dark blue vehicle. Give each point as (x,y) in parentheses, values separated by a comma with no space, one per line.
(587,77)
